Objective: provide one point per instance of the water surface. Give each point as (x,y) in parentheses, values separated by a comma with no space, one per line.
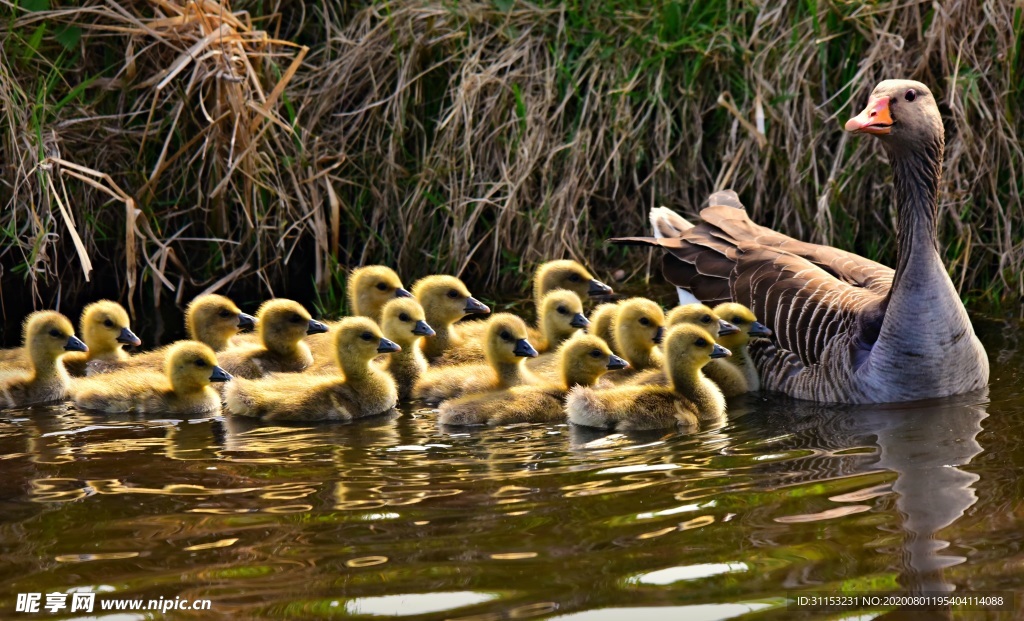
(396,516)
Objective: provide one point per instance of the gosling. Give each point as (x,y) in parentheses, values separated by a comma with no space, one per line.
(689,398)
(46,337)
(183,388)
(361,389)
(282,324)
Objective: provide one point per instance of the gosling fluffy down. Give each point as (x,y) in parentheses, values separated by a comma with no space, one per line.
(404,322)
(282,324)
(361,389)
(46,336)
(506,345)
(689,398)
(183,387)
(445,300)
(582,360)
(638,327)
(106,329)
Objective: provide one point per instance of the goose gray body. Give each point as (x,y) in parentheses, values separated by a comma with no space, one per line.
(847,329)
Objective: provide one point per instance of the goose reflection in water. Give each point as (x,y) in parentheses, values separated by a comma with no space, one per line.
(925,444)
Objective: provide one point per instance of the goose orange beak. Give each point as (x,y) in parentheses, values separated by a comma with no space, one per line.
(875,119)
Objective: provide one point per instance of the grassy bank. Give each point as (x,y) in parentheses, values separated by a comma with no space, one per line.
(164,148)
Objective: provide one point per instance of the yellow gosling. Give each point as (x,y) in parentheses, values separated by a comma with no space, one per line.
(639,326)
(582,360)
(445,300)
(702,316)
(748,327)
(46,336)
(282,325)
(568,275)
(506,345)
(561,316)
(404,322)
(370,288)
(211,319)
(105,328)
(689,398)
(601,320)
(183,387)
(360,389)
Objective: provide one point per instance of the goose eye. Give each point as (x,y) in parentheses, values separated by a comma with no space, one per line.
(225,313)
(911,95)
(108,323)
(403,317)
(453,294)
(366,336)
(200,363)
(574,277)
(738,320)
(562,310)
(705,319)
(55,332)
(596,353)
(644,321)
(382,287)
(701,342)
(296,318)
(505,335)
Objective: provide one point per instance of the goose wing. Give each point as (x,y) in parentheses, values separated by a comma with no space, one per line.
(807,300)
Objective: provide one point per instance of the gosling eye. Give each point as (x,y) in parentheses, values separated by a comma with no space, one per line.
(452,293)
(562,310)
(911,95)
(644,321)
(404,317)
(705,319)
(701,342)
(366,336)
(738,320)
(297,318)
(596,353)
(200,363)
(55,332)
(574,277)
(108,323)
(505,336)
(382,286)
(225,313)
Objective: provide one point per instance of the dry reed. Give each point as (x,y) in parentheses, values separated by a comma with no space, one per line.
(481,138)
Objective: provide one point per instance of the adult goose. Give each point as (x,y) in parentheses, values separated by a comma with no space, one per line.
(848,329)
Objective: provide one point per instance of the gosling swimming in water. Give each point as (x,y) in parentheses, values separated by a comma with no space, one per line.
(361,388)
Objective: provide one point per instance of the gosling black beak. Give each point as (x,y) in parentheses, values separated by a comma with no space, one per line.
(719,352)
(725,328)
(759,329)
(423,328)
(579,321)
(402,293)
(387,347)
(75,344)
(659,335)
(316,327)
(128,337)
(476,307)
(614,362)
(524,349)
(246,321)
(219,375)
(599,288)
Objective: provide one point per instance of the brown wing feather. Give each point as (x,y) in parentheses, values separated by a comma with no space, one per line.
(808,294)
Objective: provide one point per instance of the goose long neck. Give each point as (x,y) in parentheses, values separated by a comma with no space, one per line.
(916,183)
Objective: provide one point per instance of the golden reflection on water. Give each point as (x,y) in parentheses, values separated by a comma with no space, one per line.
(399,516)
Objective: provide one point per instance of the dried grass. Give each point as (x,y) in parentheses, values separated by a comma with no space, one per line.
(480,138)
